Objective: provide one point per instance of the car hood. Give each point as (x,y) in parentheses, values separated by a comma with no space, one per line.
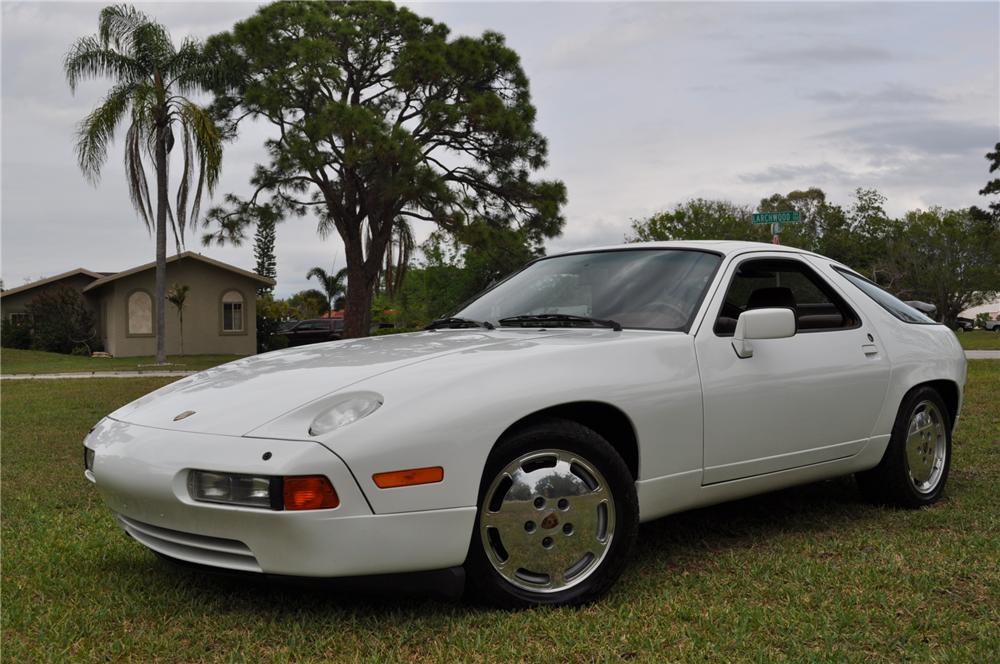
(238,397)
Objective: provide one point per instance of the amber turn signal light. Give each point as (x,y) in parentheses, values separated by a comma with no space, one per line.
(410,477)
(309,492)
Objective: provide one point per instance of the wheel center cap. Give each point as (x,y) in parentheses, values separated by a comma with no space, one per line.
(551,521)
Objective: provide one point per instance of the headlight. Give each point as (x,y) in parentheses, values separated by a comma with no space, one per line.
(88,458)
(233,489)
(350,408)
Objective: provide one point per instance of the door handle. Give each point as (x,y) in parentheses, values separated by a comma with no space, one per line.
(869,349)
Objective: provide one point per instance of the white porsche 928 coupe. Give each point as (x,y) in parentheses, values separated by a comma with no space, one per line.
(525,437)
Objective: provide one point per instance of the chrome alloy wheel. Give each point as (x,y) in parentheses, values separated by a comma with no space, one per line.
(547,521)
(926,447)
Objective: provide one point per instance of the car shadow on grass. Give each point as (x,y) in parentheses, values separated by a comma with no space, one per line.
(816,508)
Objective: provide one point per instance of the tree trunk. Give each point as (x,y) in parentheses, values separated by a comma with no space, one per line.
(358,307)
(160,298)
(180,317)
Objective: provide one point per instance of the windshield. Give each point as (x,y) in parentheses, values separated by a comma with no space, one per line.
(639,288)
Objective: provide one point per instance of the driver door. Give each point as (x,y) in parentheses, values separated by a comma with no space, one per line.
(807,399)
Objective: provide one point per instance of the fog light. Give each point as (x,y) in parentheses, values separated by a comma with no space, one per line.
(235,489)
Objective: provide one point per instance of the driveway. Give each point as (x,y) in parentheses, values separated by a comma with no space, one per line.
(98,374)
(982,354)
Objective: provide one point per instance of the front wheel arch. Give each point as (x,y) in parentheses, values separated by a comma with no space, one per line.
(607,421)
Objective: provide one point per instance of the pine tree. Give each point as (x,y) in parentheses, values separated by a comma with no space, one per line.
(263,252)
(992,187)
(378,114)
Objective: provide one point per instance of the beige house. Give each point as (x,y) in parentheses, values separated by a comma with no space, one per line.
(219,313)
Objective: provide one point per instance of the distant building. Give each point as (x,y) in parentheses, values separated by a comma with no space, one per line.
(219,313)
(991,308)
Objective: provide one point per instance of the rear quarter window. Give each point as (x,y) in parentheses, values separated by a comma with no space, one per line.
(886,300)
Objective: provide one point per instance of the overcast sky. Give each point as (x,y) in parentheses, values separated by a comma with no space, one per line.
(644,105)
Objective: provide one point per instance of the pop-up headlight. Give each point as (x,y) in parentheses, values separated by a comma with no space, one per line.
(349,408)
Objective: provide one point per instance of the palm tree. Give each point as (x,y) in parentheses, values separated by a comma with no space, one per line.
(397,256)
(334,285)
(177,295)
(150,80)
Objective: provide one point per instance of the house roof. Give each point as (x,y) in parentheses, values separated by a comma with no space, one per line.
(50,280)
(172,259)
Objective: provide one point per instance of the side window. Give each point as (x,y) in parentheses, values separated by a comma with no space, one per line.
(140,313)
(232,311)
(770,282)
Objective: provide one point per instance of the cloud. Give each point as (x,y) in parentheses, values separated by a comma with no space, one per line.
(889,95)
(915,136)
(818,173)
(821,55)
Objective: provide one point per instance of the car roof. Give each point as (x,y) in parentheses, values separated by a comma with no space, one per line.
(724,247)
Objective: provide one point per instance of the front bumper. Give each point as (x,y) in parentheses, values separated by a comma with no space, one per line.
(141,472)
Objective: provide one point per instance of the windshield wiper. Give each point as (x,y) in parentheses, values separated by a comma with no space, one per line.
(453,322)
(566,319)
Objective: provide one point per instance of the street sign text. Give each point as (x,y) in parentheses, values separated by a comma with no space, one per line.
(776,217)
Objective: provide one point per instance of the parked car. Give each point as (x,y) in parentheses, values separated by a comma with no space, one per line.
(525,437)
(964,324)
(926,308)
(314,331)
(992,325)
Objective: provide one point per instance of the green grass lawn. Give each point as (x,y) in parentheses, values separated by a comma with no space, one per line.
(803,575)
(979,340)
(14,361)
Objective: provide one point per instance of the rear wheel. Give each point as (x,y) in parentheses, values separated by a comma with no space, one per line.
(915,466)
(557,518)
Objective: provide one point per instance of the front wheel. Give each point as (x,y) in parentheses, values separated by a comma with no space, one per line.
(915,466)
(558,515)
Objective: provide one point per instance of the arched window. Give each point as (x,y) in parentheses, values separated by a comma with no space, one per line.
(140,314)
(232,311)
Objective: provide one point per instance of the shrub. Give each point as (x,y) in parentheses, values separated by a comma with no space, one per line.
(271,315)
(61,321)
(15,335)
(277,342)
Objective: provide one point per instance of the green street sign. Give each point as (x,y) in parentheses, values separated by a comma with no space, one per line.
(776,217)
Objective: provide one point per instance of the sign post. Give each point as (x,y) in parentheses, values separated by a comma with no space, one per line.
(776,219)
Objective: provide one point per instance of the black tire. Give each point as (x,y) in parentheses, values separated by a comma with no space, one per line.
(554,436)
(890,483)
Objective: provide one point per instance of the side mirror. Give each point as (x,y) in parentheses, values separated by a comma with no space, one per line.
(770,323)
